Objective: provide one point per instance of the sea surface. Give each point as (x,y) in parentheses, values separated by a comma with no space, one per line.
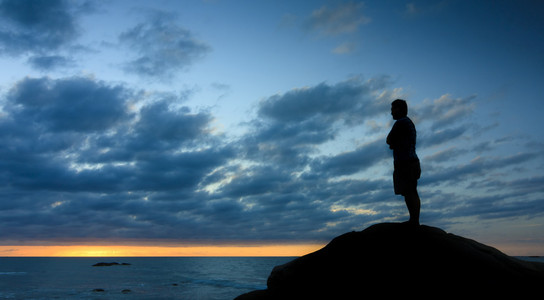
(145,278)
(191,278)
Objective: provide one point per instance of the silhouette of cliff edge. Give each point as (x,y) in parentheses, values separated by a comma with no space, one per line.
(396,259)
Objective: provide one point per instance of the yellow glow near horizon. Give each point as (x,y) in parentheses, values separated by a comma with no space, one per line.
(158,251)
(127,251)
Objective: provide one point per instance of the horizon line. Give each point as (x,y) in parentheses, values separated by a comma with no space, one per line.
(256,250)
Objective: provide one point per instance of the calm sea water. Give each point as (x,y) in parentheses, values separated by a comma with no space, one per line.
(191,278)
(145,277)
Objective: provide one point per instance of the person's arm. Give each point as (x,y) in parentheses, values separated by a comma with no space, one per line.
(388,141)
(391,138)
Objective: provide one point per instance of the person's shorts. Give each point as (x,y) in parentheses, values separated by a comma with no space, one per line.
(405,176)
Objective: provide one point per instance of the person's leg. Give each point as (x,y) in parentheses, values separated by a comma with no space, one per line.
(411,197)
(413,204)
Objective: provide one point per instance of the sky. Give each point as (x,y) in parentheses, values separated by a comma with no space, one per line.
(220,127)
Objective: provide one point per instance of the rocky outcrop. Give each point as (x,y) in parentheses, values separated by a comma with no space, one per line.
(392,260)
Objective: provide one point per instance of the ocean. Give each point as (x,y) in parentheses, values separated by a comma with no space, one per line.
(191,278)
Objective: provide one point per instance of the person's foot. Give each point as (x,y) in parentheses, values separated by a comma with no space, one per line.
(411,223)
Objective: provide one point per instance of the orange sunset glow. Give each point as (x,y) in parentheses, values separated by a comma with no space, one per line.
(125,251)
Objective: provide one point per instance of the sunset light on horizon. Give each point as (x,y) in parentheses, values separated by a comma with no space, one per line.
(157,251)
(293,250)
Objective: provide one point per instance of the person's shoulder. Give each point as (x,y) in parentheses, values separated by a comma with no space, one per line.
(404,123)
(404,120)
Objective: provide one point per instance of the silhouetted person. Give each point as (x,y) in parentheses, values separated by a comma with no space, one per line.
(402,140)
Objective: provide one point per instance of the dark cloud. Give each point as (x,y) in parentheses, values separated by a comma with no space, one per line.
(506,205)
(38,27)
(77,134)
(50,62)
(445,111)
(162,47)
(444,120)
(351,162)
(80,161)
(428,139)
(164,124)
(74,104)
(48,122)
(290,125)
(477,168)
(448,154)
(350,101)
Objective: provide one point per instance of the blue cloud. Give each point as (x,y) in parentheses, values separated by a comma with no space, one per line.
(341,19)
(74,104)
(351,162)
(50,62)
(162,47)
(39,27)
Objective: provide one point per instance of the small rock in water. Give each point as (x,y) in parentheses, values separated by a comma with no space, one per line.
(107,264)
(126,291)
(98,290)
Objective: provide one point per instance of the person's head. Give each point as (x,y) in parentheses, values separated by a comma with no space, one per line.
(399,109)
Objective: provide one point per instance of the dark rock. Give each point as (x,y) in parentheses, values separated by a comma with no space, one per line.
(127,291)
(108,264)
(398,260)
(105,264)
(98,290)
(258,294)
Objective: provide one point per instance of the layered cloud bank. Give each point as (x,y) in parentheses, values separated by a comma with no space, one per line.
(88,159)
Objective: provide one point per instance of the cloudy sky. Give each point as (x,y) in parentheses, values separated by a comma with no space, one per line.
(195,122)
